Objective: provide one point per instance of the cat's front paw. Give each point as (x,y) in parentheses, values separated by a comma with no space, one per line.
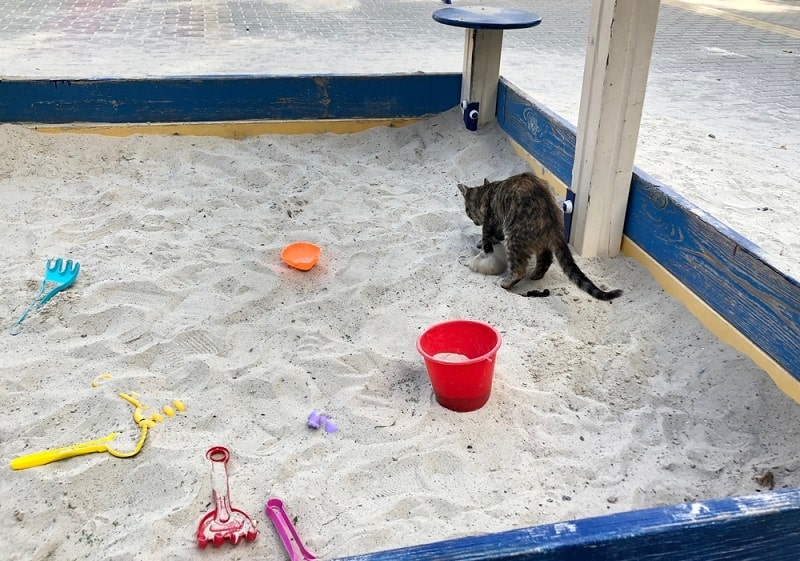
(493,263)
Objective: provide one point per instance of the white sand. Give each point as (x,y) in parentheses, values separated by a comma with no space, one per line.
(596,407)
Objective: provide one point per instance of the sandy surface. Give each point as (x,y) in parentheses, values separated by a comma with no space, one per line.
(596,407)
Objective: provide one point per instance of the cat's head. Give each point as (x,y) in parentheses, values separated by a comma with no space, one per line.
(473,198)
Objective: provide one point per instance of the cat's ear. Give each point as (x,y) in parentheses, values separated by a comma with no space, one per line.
(485,182)
(463,188)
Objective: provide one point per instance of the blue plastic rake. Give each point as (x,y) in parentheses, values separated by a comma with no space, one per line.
(58,275)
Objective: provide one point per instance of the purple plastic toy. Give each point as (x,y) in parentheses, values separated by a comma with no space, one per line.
(317,419)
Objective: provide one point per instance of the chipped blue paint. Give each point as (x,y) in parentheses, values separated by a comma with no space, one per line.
(764,527)
(227,98)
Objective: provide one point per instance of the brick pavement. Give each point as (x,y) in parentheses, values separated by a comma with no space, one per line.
(74,38)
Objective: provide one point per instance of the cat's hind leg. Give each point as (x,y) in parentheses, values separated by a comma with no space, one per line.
(543,261)
(517,266)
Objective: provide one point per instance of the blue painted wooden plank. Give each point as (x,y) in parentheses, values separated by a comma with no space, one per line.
(728,272)
(762,527)
(228,98)
(542,133)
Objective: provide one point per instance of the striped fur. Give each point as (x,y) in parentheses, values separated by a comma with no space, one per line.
(522,211)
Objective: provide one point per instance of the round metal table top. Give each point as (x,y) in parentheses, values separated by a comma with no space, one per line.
(487,17)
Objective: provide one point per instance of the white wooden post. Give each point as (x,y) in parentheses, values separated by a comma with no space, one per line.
(482,46)
(618,55)
(481,71)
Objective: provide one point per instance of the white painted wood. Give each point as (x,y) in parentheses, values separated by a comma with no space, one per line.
(481,71)
(618,55)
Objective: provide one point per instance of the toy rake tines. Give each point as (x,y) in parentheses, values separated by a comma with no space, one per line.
(58,275)
(223,522)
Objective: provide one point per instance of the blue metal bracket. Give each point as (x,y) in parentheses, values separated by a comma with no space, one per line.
(470,114)
(568,207)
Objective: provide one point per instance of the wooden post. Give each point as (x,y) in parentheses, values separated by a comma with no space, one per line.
(618,55)
(481,71)
(482,46)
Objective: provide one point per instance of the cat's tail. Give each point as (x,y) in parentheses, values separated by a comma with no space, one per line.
(567,262)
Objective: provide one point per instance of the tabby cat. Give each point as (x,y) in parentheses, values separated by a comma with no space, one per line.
(522,211)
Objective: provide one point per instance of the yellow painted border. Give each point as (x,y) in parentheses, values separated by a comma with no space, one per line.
(228,129)
(712,321)
(558,186)
(735,18)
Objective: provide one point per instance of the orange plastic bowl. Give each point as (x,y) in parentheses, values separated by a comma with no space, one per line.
(301,255)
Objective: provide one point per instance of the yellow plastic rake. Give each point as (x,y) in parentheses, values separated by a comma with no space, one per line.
(99,445)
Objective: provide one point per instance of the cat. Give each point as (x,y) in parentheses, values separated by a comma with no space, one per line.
(522,211)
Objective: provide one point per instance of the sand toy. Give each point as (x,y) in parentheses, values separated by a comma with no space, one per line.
(98,445)
(460,356)
(223,522)
(301,255)
(58,276)
(92,446)
(286,531)
(318,418)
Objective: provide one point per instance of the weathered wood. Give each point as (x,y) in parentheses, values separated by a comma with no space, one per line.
(725,270)
(621,36)
(540,132)
(227,98)
(481,71)
(728,272)
(483,44)
(763,527)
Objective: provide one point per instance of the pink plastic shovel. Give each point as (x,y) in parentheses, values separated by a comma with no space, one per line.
(224,522)
(285,528)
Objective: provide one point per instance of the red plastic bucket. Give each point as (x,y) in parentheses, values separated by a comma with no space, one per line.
(460,356)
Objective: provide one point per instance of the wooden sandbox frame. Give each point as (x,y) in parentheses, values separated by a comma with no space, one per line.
(724,279)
